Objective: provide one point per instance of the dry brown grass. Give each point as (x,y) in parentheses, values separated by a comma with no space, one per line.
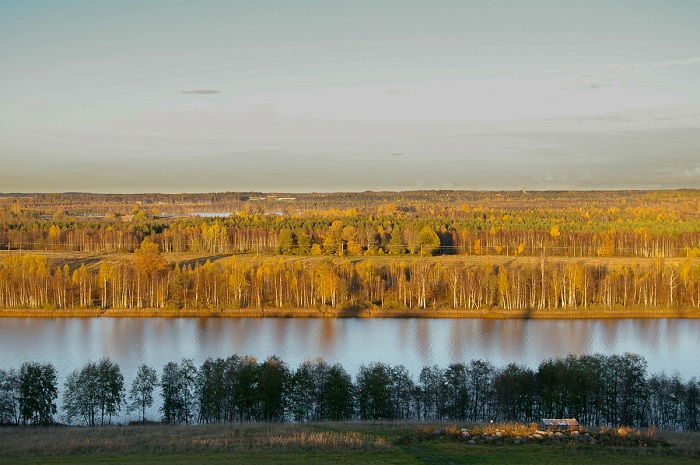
(329,441)
(57,440)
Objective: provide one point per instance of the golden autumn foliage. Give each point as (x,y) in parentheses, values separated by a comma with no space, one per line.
(580,224)
(415,249)
(146,280)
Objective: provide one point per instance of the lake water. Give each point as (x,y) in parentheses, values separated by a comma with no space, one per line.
(667,344)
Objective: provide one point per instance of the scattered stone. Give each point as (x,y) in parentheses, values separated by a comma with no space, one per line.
(472,442)
(537,436)
(559,435)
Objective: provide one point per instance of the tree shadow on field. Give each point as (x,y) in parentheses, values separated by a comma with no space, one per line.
(202,260)
(74,262)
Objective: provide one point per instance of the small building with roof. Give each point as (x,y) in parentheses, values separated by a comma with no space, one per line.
(561,423)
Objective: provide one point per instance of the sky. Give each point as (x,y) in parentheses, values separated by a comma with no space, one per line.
(321,96)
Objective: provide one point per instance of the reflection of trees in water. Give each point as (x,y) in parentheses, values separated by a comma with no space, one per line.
(403,335)
(647,330)
(241,333)
(487,335)
(127,340)
(328,336)
(423,341)
(513,339)
(280,334)
(581,337)
(457,345)
(626,334)
(470,338)
(609,332)
(672,337)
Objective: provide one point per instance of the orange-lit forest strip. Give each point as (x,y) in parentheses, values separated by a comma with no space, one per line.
(148,283)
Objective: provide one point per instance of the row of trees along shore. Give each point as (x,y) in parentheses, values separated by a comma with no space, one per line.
(146,279)
(596,389)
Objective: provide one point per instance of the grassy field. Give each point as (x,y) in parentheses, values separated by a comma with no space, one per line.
(367,443)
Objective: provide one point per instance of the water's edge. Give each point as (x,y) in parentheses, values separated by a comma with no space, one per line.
(377,312)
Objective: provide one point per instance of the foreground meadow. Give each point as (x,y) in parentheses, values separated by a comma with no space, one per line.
(369,443)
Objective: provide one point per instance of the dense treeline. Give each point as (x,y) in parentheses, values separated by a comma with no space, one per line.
(595,389)
(145,279)
(671,204)
(355,235)
(636,224)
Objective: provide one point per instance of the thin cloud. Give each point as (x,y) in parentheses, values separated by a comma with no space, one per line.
(609,75)
(200,91)
(683,62)
(692,173)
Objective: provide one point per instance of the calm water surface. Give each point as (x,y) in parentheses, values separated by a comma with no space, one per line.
(667,344)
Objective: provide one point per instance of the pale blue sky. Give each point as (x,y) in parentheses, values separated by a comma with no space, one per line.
(135,96)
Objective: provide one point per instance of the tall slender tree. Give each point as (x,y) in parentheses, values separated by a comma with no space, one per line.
(141,392)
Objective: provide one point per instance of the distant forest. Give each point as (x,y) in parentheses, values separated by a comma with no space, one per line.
(572,224)
(432,249)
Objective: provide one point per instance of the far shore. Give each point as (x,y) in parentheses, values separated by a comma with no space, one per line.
(377,312)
